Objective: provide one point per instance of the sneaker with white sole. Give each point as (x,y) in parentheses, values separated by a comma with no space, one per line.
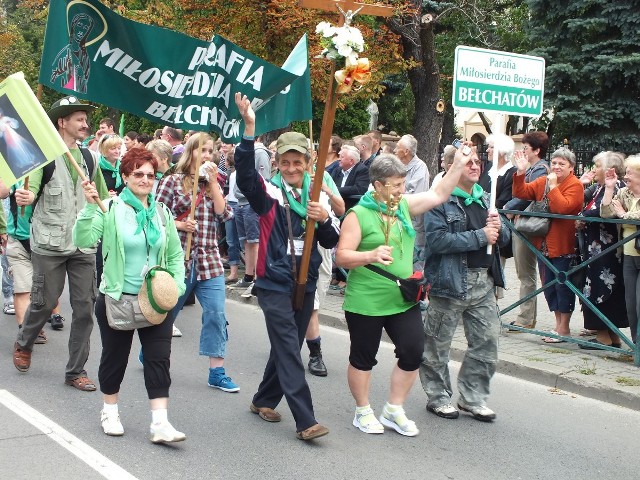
(247,293)
(479,412)
(367,422)
(219,379)
(398,421)
(111,424)
(176,332)
(242,283)
(445,411)
(9,309)
(165,433)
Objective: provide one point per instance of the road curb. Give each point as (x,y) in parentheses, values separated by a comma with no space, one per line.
(542,373)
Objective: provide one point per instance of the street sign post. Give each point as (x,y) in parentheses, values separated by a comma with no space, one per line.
(490,80)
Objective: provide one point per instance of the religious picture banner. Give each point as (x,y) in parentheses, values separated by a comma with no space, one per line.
(28,139)
(166,76)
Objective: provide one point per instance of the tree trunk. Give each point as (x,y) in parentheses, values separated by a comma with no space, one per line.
(418,45)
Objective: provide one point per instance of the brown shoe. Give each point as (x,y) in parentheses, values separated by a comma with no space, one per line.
(266,413)
(315,431)
(21,358)
(41,339)
(82,383)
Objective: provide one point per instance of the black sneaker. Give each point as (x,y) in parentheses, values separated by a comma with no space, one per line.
(56,321)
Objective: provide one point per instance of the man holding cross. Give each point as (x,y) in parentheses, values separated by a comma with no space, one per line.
(284,208)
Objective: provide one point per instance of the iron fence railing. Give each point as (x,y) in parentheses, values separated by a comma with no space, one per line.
(564,277)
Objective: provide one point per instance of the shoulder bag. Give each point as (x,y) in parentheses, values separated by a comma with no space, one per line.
(414,289)
(535,226)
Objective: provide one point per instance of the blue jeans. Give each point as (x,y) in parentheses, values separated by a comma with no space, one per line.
(7,280)
(560,298)
(211,295)
(247,223)
(233,242)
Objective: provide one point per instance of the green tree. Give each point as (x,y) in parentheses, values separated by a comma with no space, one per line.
(592,86)
(429,31)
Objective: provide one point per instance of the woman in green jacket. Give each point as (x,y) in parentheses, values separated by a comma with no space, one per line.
(133,224)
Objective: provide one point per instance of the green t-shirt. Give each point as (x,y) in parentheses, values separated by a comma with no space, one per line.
(20,227)
(368,293)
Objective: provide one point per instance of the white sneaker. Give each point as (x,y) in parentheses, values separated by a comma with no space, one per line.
(176,332)
(367,422)
(111,424)
(165,433)
(247,292)
(399,422)
(479,412)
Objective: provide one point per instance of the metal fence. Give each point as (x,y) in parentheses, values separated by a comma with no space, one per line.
(564,277)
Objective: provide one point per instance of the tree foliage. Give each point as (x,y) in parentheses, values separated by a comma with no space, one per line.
(593,69)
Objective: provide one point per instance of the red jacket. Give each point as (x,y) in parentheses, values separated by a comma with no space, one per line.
(565,199)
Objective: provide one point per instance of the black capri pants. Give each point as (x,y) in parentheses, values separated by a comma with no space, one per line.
(404,329)
(116,346)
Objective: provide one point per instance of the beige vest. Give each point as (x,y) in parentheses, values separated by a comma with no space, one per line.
(56,211)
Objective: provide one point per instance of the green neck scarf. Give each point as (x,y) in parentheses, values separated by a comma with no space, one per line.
(114,169)
(144,217)
(476,195)
(368,201)
(298,206)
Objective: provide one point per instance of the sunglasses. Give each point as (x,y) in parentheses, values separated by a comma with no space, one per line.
(139,175)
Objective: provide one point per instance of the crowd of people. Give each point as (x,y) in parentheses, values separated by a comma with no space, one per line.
(194,207)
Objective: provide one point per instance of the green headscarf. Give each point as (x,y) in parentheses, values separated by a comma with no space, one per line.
(476,195)
(144,217)
(300,207)
(105,165)
(368,201)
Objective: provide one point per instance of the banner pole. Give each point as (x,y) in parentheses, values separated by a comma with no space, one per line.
(493,174)
(26,179)
(194,194)
(81,174)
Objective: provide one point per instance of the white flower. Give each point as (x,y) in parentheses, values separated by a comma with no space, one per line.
(326,29)
(608,278)
(345,50)
(340,42)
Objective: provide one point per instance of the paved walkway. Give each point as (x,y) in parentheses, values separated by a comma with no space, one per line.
(603,375)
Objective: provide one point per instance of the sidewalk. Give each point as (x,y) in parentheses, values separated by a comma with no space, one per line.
(602,375)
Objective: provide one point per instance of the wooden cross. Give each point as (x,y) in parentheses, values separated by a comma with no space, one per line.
(349,8)
(346,6)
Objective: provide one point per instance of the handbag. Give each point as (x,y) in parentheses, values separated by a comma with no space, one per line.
(158,294)
(413,289)
(125,314)
(535,226)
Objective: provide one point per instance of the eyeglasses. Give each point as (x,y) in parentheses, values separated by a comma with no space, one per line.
(139,175)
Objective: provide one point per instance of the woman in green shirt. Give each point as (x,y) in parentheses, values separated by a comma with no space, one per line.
(373,302)
(136,235)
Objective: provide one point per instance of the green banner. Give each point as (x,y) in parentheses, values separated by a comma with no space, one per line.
(166,76)
(28,139)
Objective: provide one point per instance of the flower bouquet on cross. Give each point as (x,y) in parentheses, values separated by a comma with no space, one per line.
(345,42)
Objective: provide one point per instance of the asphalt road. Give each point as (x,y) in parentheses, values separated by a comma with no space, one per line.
(539,433)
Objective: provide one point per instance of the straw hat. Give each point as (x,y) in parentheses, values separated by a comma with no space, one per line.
(158,295)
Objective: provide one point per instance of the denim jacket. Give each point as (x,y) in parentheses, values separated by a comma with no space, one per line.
(447,242)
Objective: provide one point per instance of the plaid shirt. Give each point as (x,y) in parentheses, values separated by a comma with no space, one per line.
(204,246)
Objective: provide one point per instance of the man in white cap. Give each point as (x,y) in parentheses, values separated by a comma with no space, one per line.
(60,198)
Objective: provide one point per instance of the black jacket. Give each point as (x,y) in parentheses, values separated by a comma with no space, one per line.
(356,185)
